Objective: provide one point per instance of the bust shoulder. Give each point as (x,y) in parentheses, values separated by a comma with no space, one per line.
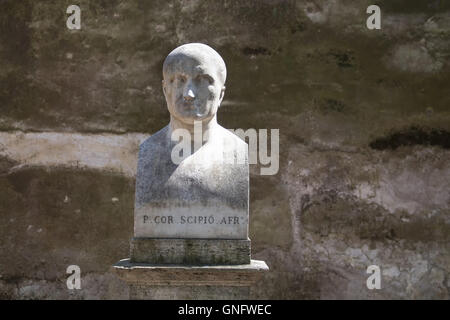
(157,142)
(230,139)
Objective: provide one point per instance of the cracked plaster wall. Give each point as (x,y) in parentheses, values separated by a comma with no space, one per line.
(364,125)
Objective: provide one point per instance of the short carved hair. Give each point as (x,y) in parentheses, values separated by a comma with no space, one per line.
(198,51)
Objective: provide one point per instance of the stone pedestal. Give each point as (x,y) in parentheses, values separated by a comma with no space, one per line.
(190,251)
(189,282)
(191,212)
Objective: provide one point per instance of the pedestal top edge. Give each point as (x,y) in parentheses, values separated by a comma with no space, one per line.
(256,265)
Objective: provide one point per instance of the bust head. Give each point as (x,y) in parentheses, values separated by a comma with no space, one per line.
(193,82)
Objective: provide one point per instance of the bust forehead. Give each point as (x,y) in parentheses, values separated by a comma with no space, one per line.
(204,56)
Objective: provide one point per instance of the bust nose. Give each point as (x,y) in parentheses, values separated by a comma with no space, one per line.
(189,93)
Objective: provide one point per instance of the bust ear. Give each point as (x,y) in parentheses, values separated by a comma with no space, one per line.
(222,93)
(164,87)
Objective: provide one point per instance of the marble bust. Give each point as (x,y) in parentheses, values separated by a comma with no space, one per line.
(204,196)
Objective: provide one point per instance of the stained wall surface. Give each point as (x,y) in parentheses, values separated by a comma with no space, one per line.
(364,120)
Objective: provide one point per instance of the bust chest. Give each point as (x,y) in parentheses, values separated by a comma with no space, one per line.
(204,196)
(204,177)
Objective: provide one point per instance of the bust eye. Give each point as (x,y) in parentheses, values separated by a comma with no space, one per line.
(181,79)
(209,79)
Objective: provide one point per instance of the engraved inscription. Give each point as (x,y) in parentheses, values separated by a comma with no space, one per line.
(229,220)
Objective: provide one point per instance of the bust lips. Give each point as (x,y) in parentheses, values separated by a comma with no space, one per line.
(192,109)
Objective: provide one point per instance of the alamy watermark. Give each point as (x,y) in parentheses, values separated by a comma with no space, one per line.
(74,280)
(374,281)
(258,151)
(374,20)
(74,20)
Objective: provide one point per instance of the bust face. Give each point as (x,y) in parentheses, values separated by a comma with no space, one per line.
(193,85)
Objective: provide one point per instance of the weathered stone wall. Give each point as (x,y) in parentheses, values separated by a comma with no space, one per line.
(364,119)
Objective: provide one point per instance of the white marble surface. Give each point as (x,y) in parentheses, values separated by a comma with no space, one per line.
(206,195)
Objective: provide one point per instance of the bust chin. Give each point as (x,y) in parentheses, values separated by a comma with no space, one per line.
(206,194)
